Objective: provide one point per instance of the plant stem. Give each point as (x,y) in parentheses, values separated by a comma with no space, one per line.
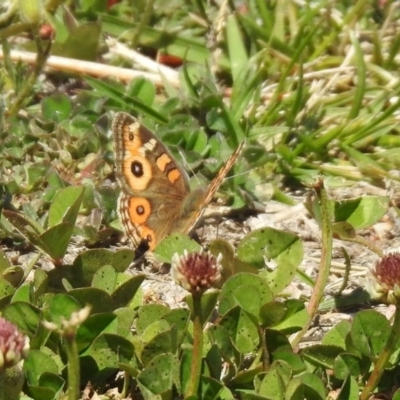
(383,358)
(195,369)
(73,367)
(25,92)
(326,257)
(367,244)
(125,388)
(265,355)
(346,272)
(143,22)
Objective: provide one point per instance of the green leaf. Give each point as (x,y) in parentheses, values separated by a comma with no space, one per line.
(337,335)
(148,314)
(350,390)
(197,141)
(274,383)
(23,293)
(55,240)
(231,265)
(180,319)
(307,386)
(233,131)
(233,285)
(160,375)
(369,332)
(126,318)
(105,279)
(237,52)
(28,228)
(38,363)
(358,97)
(272,313)
(246,88)
(40,284)
(295,361)
(61,306)
(242,330)
(124,294)
(6,292)
(396,395)
(175,243)
(143,90)
(90,261)
(94,326)
(295,319)
(4,262)
(130,103)
(65,205)
(42,393)
(23,315)
(344,230)
(284,248)
(81,43)
(122,259)
(213,389)
(252,304)
(321,355)
(110,350)
(219,336)
(14,275)
(52,381)
(100,300)
(347,364)
(363,211)
(56,107)
(155,329)
(163,342)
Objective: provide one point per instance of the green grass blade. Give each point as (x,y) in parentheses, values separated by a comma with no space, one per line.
(361,77)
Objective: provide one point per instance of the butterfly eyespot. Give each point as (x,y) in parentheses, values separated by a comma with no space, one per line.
(137,169)
(140,210)
(150,237)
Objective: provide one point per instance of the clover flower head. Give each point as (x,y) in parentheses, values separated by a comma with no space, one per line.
(383,279)
(14,345)
(68,328)
(196,272)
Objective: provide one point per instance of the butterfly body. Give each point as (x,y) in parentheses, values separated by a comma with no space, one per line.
(155,195)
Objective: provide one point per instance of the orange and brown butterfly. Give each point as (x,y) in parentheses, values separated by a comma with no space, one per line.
(155,196)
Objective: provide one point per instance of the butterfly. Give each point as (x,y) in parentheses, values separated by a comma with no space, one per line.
(155,199)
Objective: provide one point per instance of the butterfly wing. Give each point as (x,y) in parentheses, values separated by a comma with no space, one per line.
(153,186)
(155,197)
(197,201)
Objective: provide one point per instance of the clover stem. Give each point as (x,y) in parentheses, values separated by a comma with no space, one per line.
(265,356)
(327,218)
(383,358)
(25,92)
(73,367)
(195,369)
(125,388)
